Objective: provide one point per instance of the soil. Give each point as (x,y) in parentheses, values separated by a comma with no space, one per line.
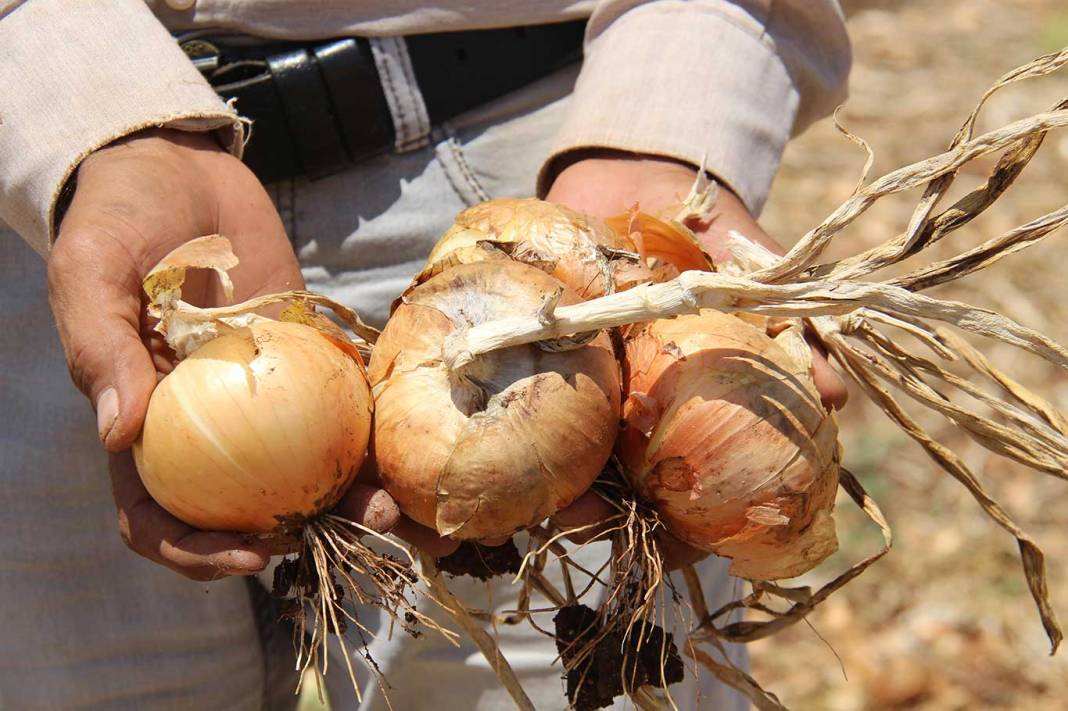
(482,562)
(595,680)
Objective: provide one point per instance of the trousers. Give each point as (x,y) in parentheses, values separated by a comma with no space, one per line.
(85,623)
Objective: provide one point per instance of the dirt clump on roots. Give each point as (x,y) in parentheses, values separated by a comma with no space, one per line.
(615,663)
(482,562)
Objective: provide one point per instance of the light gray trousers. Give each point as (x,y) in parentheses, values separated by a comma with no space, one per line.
(85,623)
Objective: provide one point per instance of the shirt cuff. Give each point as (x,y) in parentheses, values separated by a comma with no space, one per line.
(77,76)
(686,82)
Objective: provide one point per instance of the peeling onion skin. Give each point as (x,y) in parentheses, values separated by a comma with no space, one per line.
(507,440)
(257,430)
(551,237)
(724,432)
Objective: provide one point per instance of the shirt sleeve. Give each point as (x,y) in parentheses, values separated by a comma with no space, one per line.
(719,82)
(75,76)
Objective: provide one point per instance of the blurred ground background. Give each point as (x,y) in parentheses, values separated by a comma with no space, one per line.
(945,621)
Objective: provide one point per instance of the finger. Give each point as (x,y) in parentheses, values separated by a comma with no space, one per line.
(150,531)
(829,384)
(585,515)
(831,387)
(95,293)
(424,538)
(369,506)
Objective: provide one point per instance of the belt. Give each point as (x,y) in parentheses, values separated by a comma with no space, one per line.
(320,107)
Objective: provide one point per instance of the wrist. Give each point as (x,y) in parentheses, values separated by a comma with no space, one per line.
(187,152)
(165,183)
(641,161)
(197,140)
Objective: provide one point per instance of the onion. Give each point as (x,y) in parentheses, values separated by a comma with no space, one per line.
(580,251)
(261,428)
(506,440)
(263,424)
(725,434)
(257,430)
(724,430)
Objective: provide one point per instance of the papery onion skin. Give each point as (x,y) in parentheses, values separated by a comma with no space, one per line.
(570,246)
(508,439)
(724,432)
(256,431)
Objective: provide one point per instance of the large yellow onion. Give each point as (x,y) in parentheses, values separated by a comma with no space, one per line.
(504,441)
(725,434)
(260,428)
(257,430)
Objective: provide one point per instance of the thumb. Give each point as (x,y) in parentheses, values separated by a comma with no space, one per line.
(95,294)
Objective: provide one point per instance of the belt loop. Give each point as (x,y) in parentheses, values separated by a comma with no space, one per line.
(411,122)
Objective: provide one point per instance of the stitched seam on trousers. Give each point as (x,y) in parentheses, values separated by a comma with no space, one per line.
(405,126)
(465,170)
(416,103)
(464,196)
(396,107)
(411,123)
(448,153)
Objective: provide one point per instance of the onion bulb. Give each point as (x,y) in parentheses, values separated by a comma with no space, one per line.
(263,424)
(581,251)
(725,434)
(509,438)
(261,428)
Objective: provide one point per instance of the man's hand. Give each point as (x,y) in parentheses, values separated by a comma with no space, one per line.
(606,183)
(136,200)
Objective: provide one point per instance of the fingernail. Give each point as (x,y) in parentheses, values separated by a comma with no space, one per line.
(107,411)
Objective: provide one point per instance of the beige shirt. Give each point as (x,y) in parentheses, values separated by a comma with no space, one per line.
(723,82)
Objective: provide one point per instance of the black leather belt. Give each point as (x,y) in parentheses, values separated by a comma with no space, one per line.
(318,108)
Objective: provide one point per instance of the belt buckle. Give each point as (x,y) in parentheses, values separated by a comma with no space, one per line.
(204,55)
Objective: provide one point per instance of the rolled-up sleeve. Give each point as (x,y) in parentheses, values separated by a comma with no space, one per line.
(719,82)
(75,76)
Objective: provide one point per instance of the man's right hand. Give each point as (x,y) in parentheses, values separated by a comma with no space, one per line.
(136,200)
